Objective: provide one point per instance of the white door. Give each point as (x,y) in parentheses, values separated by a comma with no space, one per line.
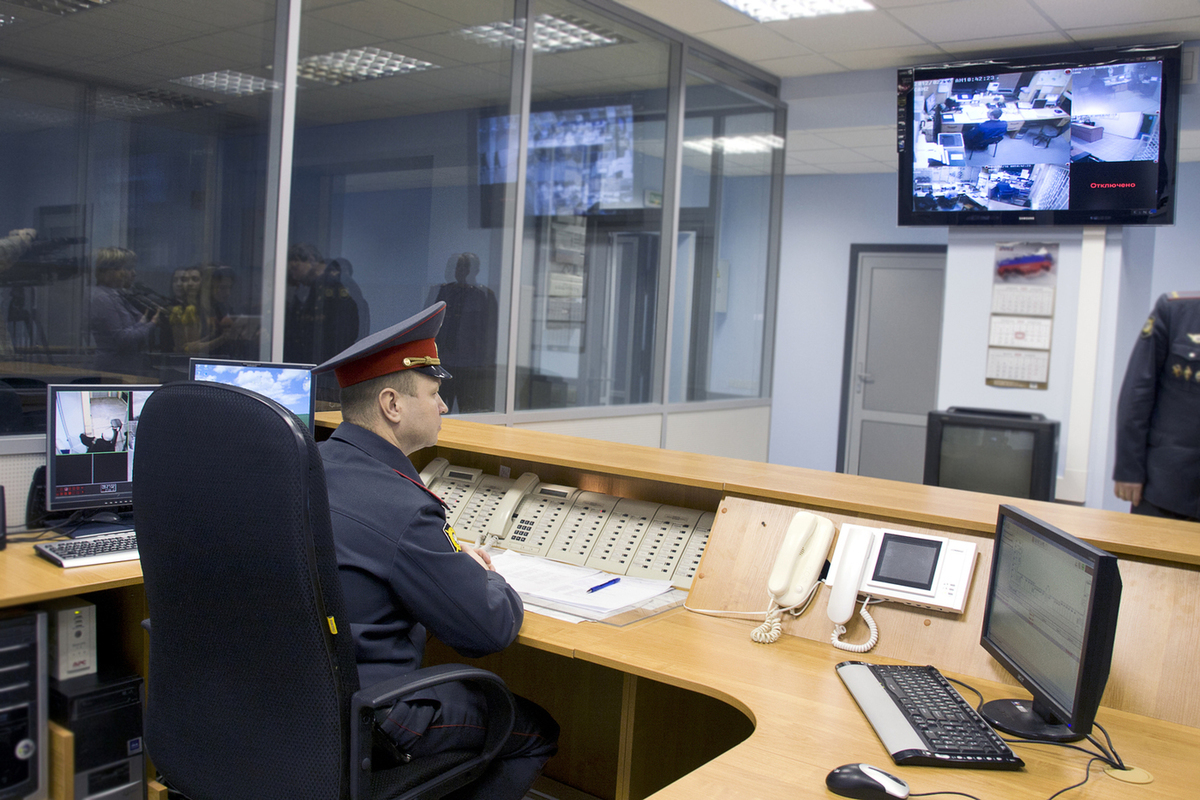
(893,363)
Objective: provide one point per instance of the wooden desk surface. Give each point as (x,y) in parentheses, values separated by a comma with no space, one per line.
(806,723)
(933,506)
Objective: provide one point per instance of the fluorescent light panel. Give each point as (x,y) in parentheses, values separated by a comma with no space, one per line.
(151,101)
(736,145)
(59,7)
(551,34)
(774,10)
(358,64)
(229,82)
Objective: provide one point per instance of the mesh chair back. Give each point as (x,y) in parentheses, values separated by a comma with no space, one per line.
(248,690)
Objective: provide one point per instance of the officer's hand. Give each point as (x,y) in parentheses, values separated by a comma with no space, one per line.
(1128,491)
(481,556)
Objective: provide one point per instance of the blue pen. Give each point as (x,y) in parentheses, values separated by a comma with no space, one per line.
(601,586)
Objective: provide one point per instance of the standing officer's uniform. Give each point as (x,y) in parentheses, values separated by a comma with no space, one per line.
(1158,414)
(404,576)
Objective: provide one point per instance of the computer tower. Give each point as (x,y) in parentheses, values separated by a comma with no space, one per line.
(23,746)
(104,714)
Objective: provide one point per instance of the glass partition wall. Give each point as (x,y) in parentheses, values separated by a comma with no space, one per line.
(274,179)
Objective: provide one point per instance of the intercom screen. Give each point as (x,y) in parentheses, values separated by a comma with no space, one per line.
(906,561)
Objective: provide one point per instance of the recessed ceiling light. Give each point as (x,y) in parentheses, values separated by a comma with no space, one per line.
(151,101)
(229,82)
(774,10)
(551,34)
(359,64)
(737,145)
(59,6)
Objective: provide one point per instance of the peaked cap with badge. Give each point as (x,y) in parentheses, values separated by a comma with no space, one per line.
(410,344)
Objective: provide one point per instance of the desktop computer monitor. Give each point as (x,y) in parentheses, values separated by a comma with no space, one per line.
(290,385)
(91,433)
(1050,620)
(999,452)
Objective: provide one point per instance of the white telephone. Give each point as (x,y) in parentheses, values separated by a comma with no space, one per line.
(487,513)
(538,518)
(852,552)
(797,570)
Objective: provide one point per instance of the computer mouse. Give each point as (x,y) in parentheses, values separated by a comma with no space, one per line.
(865,782)
(105,516)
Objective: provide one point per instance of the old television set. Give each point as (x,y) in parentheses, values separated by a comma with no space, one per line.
(290,385)
(987,450)
(1091,138)
(91,437)
(1050,620)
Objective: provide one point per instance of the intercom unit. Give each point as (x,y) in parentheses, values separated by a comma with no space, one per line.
(917,569)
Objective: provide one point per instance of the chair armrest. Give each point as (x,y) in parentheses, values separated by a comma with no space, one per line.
(501,712)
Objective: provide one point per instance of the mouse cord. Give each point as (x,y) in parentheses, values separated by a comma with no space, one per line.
(1086,775)
(930,794)
(836,637)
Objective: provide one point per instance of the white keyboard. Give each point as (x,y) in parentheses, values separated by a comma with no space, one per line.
(100,548)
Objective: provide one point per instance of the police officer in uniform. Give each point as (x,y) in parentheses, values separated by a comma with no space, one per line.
(403,572)
(1158,414)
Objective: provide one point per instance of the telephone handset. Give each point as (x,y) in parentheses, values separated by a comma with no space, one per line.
(853,552)
(501,520)
(490,505)
(801,556)
(537,519)
(433,469)
(796,572)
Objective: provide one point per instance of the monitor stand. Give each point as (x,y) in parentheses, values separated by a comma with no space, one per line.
(108,522)
(1020,718)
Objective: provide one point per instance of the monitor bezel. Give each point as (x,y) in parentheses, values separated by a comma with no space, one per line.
(1168,163)
(231,362)
(122,505)
(1044,471)
(1100,635)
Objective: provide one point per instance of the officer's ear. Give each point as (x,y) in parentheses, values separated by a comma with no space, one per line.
(389,405)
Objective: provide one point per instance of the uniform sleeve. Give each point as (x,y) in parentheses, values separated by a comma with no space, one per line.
(471,609)
(1139,393)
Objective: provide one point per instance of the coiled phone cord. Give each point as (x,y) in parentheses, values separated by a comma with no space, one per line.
(836,637)
(772,626)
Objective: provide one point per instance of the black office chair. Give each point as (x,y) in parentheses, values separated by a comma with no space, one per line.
(252,689)
(977,140)
(1048,133)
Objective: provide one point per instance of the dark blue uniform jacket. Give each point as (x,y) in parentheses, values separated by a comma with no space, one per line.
(1158,413)
(401,569)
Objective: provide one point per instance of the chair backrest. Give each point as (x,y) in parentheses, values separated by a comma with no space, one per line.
(248,687)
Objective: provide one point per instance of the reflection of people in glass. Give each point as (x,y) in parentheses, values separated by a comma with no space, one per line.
(12,247)
(185,313)
(121,332)
(467,340)
(100,444)
(321,318)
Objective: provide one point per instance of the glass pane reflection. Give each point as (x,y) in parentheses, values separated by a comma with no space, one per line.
(593,215)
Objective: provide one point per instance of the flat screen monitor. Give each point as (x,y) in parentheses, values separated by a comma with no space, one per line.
(1075,139)
(581,160)
(91,432)
(290,385)
(998,452)
(1051,621)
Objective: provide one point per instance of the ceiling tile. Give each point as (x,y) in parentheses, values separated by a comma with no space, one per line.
(796,66)
(754,43)
(973,19)
(1099,13)
(858,31)
(887,57)
(1005,45)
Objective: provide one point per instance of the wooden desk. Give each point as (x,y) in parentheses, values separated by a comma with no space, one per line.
(687,706)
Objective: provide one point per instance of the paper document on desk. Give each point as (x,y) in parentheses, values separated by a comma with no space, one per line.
(565,586)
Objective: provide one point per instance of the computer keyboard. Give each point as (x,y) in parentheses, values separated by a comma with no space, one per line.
(100,548)
(922,720)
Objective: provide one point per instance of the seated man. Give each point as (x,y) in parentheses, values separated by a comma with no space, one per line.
(987,132)
(403,572)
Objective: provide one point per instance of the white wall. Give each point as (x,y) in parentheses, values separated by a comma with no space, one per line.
(822,217)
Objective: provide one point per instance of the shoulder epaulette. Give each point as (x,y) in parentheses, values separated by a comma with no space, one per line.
(1183,295)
